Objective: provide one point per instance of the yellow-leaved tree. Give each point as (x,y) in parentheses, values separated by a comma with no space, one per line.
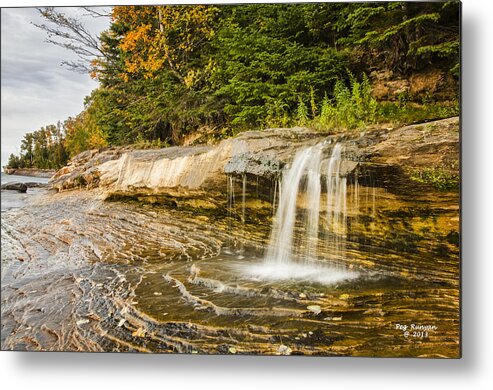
(165,38)
(83,133)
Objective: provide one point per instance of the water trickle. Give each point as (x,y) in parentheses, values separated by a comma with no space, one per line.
(243,200)
(313,190)
(356,198)
(243,208)
(231,205)
(236,243)
(274,198)
(280,248)
(373,209)
(336,205)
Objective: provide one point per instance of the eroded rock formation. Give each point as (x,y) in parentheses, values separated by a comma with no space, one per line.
(383,156)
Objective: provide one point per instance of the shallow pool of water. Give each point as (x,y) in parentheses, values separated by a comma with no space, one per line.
(82,274)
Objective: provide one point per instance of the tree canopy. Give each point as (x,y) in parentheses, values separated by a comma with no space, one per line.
(167,71)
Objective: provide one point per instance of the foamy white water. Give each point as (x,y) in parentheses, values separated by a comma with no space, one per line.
(306,272)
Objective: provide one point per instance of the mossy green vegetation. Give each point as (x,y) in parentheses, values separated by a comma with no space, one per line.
(406,113)
(352,106)
(441,179)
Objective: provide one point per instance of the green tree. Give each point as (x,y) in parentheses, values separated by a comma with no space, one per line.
(406,36)
(27,149)
(14,161)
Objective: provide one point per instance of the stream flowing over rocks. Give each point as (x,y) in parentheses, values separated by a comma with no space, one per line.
(177,250)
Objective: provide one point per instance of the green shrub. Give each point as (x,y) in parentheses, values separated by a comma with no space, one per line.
(142,143)
(438,178)
(302,113)
(326,112)
(277,113)
(351,107)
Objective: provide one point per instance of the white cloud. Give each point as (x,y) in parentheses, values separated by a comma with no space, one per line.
(35,89)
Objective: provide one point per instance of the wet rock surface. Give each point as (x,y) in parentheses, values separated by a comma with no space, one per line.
(154,256)
(83,274)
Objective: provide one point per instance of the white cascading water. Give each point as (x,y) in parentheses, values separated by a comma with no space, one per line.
(336,204)
(294,256)
(313,192)
(280,248)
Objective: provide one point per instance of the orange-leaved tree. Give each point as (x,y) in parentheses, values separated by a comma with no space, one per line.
(166,38)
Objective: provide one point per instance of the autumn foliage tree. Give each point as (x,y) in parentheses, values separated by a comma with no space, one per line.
(164,38)
(83,133)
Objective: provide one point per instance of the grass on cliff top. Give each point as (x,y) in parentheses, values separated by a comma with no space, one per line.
(412,113)
(353,107)
(350,118)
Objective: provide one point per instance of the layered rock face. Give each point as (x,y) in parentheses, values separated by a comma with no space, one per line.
(261,153)
(382,155)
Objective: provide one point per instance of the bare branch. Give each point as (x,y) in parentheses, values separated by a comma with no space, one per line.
(96,13)
(71,34)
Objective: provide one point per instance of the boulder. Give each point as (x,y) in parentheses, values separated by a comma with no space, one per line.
(35,184)
(263,165)
(15,186)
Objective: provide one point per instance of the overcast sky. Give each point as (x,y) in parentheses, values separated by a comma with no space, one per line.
(35,89)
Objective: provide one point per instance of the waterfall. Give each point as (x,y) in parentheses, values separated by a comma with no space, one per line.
(303,180)
(336,204)
(230,208)
(308,225)
(281,242)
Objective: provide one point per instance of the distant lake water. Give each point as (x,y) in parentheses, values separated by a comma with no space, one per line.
(14,199)
(23,179)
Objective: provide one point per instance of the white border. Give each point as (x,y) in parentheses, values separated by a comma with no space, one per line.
(474,371)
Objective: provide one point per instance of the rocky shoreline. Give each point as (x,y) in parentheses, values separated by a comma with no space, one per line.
(34,172)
